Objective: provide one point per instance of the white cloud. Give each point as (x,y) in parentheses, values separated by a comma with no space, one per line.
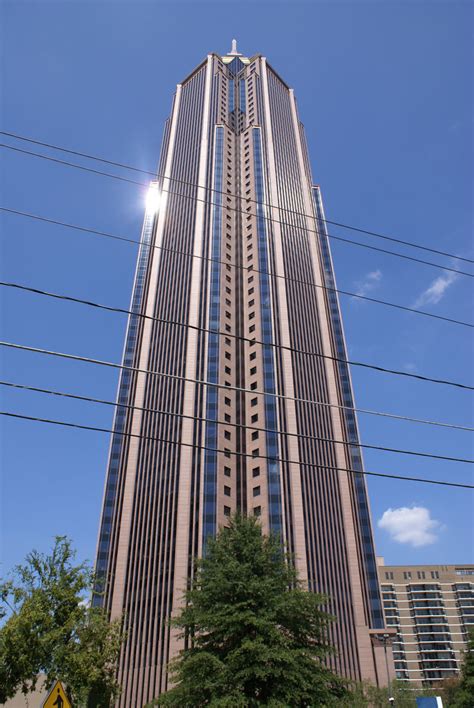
(434,292)
(412,525)
(368,282)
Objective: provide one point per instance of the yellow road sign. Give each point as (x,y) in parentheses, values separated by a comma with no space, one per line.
(57,697)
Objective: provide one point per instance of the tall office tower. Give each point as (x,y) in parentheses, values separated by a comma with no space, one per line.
(431,608)
(237,400)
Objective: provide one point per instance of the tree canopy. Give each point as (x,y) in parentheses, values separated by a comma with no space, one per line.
(254,635)
(49,628)
(464,695)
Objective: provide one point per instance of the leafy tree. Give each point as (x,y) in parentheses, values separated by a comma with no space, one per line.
(50,629)
(254,635)
(464,696)
(448,689)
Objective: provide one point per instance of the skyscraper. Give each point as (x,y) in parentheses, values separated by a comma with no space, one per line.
(234,392)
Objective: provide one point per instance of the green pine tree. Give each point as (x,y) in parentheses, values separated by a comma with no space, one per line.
(254,635)
(50,629)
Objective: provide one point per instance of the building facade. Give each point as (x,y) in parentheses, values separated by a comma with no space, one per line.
(233,397)
(431,607)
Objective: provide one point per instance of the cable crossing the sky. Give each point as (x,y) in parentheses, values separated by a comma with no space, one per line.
(241,211)
(237,453)
(157,175)
(156,411)
(248,269)
(114,365)
(365,365)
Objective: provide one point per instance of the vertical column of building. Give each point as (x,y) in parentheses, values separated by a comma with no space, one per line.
(148,521)
(356,482)
(185,509)
(263,485)
(104,571)
(116,601)
(334,566)
(220,483)
(463,597)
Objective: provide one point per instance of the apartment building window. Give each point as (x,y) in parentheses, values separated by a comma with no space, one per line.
(407,575)
(257,511)
(255,435)
(256,472)
(254,418)
(256,491)
(227,471)
(227,491)
(227,401)
(227,511)
(227,434)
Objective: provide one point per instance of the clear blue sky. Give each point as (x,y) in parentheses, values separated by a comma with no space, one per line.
(385,92)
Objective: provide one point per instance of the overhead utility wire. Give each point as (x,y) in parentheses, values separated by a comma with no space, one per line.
(122,310)
(240,211)
(234,452)
(218,191)
(249,269)
(88,399)
(114,365)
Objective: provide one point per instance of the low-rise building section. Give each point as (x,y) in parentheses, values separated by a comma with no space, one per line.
(432,608)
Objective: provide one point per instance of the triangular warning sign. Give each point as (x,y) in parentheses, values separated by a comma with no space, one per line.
(57,697)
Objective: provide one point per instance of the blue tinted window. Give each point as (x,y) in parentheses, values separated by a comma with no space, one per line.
(210,457)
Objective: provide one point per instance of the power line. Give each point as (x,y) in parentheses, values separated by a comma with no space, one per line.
(232,452)
(114,365)
(248,269)
(157,175)
(88,399)
(240,211)
(273,345)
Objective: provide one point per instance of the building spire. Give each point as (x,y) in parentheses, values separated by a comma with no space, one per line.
(233,52)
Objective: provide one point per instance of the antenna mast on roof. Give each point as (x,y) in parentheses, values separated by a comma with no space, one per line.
(233,52)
